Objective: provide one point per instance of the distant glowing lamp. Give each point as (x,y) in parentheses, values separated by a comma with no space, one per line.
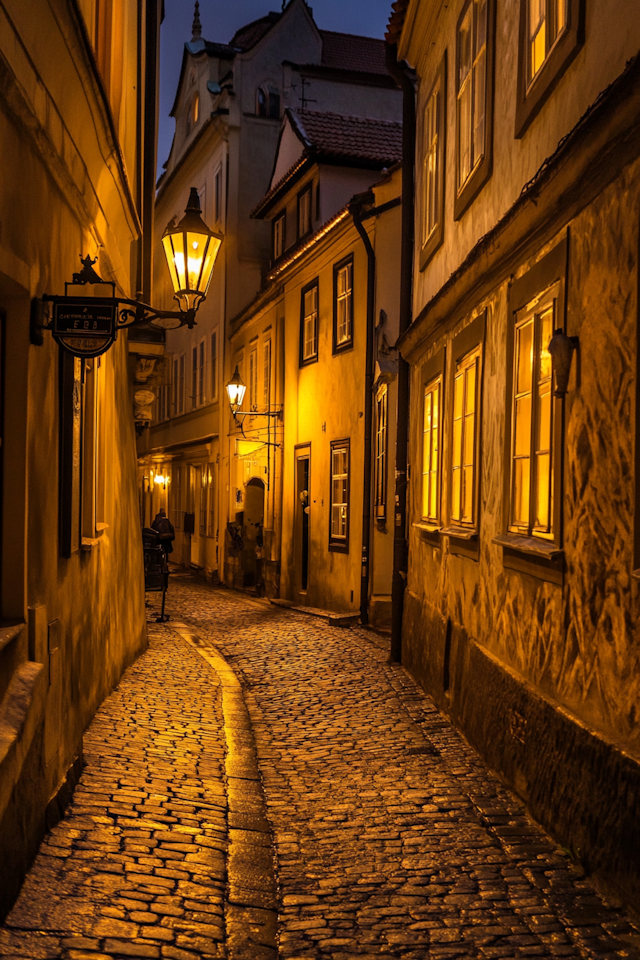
(159,479)
(236,389)
(191,249)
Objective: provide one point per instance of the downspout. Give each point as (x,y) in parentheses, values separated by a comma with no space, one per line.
(356,211)
(154,15)
(404,77)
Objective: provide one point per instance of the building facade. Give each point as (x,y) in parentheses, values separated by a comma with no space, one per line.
(73,134)
(316,346)
(520,610)
(230,110)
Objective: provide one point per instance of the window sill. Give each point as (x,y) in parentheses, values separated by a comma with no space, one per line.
(544,561)
(461,533)
(339,547)
(9,631)
(427,527)
(88,543)
(529,545)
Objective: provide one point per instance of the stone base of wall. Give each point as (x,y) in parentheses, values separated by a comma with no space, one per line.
(582,787)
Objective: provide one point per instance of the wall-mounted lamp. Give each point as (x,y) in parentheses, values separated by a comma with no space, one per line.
(161,480)
(236,389)
(87,325)
(561,348)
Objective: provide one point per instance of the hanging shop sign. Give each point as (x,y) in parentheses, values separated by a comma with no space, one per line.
(84,326)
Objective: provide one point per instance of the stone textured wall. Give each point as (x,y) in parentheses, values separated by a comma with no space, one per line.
(544,678)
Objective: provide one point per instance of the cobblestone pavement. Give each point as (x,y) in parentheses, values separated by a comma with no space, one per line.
(138,866)
(391,838)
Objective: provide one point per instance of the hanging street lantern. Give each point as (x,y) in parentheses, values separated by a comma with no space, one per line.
(191,249)
(236,389)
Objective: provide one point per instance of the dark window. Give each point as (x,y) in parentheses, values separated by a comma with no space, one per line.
(279,236)
(261,102)
(474,101)
(381,452)
(343,305)
(433,157)
(304,212)
(551,34)
(309,323)
(339,496)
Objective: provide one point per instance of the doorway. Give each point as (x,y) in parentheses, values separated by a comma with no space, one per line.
(253,535)
(303,494)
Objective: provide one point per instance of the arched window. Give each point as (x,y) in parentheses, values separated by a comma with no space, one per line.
(268,101)
(196,108)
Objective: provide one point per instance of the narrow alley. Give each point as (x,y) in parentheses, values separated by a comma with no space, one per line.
(246,725)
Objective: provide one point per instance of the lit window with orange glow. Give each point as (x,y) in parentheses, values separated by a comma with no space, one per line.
(339,507)
(309,324)
(464,446)
(546,19)
(431,451)
(532,454)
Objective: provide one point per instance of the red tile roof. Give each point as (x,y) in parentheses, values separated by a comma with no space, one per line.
(335,136)
(396,20)
(345,51)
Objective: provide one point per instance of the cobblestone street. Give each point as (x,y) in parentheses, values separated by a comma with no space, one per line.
(247,725)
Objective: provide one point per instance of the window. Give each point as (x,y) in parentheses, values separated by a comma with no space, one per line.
(343,305)
(533,479)
(274,104)
(339,508)
(279,235)
(253,379)
(433,126)
(196,108)
(267,374)
(217,195)
(432,407)
(474,101)
(261,102)
(304,212)
(381,453)
(197,375)
(532,422)
(268,102)
(466,386)
(309,324)
(551,34)
(214,365)
(181,384)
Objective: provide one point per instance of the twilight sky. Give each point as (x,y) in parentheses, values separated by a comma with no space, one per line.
(220,20)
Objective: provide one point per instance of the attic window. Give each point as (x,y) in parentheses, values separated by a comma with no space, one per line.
(268,102)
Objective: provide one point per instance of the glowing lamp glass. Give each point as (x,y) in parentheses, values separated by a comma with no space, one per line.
(191,250)
(236,389)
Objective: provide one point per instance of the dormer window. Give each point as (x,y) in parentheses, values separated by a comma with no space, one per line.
(268,102)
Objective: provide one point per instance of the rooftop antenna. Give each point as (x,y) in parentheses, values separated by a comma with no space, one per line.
(196,29)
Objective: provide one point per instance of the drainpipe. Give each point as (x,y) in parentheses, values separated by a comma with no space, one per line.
(404,77)
(357,213)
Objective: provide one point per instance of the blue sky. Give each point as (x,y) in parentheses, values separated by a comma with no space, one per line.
(220,20)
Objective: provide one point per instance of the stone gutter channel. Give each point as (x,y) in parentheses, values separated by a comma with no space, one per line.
(252,889)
